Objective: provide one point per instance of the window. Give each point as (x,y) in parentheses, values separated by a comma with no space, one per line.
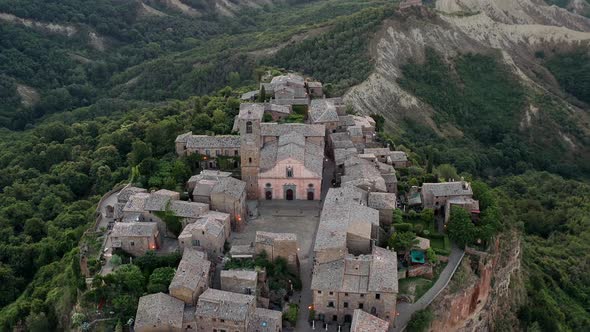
(310,185)
(249,127)
(331,293)
(346,304)
(218,152)
(377,296)
(345,294)
(222,320)
(132,243)
(196,243)
(335,317)
(250,160)
(236,152)
(331,304)
(214,319)
(361,305)
(268,185)
(362,295)
(319,292)
(202,232)
(207,152)
(289,171)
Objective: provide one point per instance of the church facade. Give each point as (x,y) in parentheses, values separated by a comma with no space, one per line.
(280,161)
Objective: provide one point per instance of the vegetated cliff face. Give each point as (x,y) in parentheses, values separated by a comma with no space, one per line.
(517,29)
(490,294)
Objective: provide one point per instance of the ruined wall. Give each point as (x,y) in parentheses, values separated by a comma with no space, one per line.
(490,297)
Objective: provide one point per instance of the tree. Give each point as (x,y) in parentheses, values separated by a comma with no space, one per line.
(431,255)
(402,241)
(460,227)
(160,279)
(139,152)
(37,322)
(116,260)
(398,217)
(262,94)
(447,172)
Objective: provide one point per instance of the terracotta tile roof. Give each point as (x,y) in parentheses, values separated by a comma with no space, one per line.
(382,200)
(323,110)
(134,229)
(159,310)
(265,320)
(225,305)
(365,322)
(458,188)
(193,270)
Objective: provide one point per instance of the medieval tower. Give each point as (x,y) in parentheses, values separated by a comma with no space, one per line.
(250,145)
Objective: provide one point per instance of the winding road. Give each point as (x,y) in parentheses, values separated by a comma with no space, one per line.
(406,310)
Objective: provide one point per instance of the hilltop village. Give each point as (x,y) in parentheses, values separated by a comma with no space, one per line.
(288,224)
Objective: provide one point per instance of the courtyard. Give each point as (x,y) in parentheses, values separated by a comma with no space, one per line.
(298,217)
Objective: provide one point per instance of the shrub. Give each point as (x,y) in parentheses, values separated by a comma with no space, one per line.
(291,314)
(403,227)
(421,321)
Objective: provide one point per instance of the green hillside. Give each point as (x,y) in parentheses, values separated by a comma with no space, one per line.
(106,115)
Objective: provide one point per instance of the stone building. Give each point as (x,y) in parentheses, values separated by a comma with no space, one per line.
(279,245)
(365,282)
(364,322)
(291,168)
(360,128)
(385,203)
(122,198)
(188,212)
(135,238)
(239,281)
(436,195)
(326,111)
(399,159)
(159,312)
(315,89)
(280,161)
(274,165)
(192,276)
(363,174)
(223,193)
(346,225)
(277,112)
(265,320)
(208,233)
(219,310)
(350,272)
(468,204)
(210,147)
(287,89)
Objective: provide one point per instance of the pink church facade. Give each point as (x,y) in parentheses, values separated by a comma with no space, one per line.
(289,179)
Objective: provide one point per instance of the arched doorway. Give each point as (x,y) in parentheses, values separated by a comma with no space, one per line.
(310,196)
(268,195)
(289,194)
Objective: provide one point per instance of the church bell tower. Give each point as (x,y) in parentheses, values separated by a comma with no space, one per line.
(249,119)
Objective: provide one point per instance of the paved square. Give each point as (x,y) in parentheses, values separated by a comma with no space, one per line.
(279,216)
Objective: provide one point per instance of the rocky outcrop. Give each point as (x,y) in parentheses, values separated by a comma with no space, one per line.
(490,295)
(515,29)
(94,40)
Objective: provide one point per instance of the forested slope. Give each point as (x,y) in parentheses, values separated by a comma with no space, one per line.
(113,94)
